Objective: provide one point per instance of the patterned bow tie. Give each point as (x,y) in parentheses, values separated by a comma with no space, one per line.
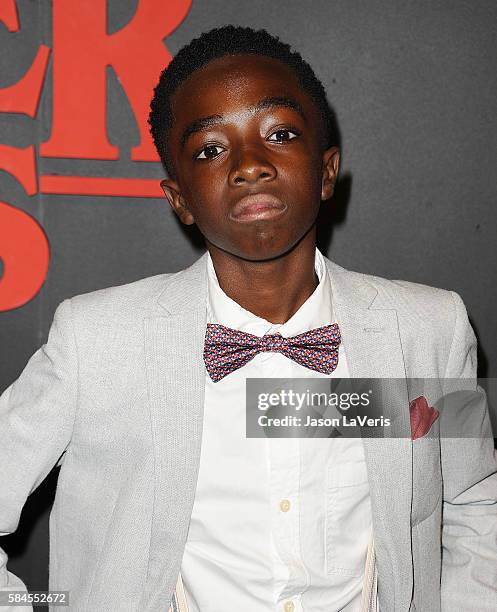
(226,349)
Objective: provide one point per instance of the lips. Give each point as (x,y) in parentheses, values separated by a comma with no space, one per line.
(257,206)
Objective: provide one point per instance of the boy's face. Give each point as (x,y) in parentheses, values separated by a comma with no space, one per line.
(247,148)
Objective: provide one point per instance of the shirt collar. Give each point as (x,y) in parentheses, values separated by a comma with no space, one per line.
(316,311)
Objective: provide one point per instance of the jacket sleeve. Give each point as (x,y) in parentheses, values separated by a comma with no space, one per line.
(469,471)
(36,420)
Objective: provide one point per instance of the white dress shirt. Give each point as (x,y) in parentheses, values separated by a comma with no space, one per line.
(277,523)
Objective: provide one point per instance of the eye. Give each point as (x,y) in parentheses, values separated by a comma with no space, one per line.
(283,135)
(209,152)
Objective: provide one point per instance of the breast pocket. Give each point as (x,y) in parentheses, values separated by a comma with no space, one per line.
(348,518)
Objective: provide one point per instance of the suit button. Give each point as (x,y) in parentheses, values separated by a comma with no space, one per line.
(289,606)
(285,507)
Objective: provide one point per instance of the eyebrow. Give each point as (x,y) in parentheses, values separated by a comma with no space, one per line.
(270,102)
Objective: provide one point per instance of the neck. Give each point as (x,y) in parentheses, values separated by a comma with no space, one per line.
(273,290)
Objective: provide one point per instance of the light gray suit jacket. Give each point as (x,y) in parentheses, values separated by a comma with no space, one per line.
(116,397)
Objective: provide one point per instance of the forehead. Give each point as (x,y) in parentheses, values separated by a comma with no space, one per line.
(235,81)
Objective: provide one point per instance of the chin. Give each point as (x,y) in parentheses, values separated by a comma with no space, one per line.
(263,244)
(264,252)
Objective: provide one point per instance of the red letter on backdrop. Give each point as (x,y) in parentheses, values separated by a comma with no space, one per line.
(82,50)
(25,255)
(23,96)
(24,246)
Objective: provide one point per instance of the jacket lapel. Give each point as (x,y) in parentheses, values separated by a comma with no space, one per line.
(371,339)
(176,378)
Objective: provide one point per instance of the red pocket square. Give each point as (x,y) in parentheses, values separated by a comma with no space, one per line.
(422,417)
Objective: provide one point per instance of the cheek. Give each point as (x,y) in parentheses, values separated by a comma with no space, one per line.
(203,198)
(306,181)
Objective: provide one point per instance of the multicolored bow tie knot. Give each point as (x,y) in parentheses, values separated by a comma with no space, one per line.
(226,349)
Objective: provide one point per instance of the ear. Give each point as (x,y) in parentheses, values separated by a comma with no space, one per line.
(173,195)
(331,165)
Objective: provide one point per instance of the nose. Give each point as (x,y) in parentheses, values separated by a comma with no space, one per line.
(251,166)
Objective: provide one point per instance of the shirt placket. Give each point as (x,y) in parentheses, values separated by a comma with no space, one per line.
(290,575)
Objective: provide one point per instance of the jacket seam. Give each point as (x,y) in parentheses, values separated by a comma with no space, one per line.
(77,383)
(456,317)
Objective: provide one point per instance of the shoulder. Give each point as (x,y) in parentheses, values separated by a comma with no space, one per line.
(439,312)
(418,306)
(120,303)
(433,323)
(410,298)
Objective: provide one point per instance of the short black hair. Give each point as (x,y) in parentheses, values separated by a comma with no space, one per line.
(216,43)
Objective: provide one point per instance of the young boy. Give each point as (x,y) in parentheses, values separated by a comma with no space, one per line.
(139,393)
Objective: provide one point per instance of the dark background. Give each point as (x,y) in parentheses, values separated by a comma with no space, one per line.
(414,87)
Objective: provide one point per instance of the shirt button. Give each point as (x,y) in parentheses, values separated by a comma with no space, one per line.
(289,606)
(285,507)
